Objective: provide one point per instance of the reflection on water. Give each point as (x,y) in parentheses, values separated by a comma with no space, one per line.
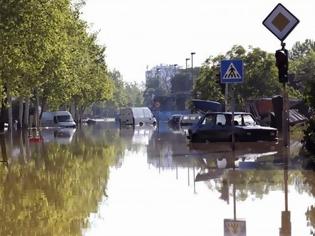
(50,188)
(101,179)
(58,135)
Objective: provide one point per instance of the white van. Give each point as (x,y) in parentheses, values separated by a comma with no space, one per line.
(136,116)
(57,119)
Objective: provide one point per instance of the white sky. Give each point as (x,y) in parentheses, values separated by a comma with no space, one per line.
(143,33)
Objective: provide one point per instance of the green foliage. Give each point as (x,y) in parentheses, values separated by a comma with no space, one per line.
(303,67)
(207,85)
(300,50)
(309,136)
(134,94)
(123,94)
(45,46)
(261,77)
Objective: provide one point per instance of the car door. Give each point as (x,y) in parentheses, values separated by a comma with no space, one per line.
(206,127)
(221,129)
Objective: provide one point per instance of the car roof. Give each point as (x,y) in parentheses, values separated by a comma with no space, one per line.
(193,114)
(229,113)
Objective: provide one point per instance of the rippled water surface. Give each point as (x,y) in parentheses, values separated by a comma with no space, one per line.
(105,180)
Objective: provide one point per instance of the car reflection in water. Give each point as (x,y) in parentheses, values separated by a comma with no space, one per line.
(215,158)
(137,134)
(246,154)
(58,135)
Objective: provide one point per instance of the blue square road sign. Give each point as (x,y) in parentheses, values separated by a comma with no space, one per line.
(232,71)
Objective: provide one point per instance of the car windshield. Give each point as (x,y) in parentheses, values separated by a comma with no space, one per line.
(63,118)
(208,120)
(248,120)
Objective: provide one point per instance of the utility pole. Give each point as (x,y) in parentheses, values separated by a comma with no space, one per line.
(282,62)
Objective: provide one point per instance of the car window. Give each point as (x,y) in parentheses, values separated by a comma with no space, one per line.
(248,120)
(147,113)
(237,120)
(221,120)
(208,120)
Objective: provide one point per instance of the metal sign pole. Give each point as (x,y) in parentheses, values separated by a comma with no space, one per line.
(285,109)
(226,95)
(281,22)
(285,125)
(233,126)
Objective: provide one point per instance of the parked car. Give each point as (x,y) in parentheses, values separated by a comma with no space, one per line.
(189,119)
(175,119)
(136,116)
(57,119)
(217,126)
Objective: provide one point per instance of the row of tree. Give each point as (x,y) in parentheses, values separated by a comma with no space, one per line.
(124,94)
(49,57)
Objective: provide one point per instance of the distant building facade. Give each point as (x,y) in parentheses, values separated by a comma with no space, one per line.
(168,87)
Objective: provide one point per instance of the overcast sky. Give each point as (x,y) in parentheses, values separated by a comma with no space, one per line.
(143,33)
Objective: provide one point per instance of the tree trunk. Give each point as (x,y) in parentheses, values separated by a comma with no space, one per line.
(9,108)
(36,110)
(20,112)
(72,110)
(3,149)
(81,110)
(26,113)
(43,107)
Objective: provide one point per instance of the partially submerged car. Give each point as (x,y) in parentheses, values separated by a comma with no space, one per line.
(175,119)
(57,119)
(217,126)
(136,116)
(189,119)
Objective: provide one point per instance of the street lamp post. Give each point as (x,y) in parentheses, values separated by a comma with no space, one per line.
(187,59)
(175,67)
(192,68)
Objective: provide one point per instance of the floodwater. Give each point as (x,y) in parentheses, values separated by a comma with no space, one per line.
(105,180)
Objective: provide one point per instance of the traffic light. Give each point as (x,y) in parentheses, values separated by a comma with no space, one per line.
(282,64)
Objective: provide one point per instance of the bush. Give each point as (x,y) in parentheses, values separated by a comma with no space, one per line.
(309,136)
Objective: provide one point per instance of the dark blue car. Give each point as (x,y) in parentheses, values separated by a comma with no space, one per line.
(217,126)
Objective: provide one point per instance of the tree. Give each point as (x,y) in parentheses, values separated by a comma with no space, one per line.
(300,50)
(207,86)
(29,31)
(260,80)
(47,53)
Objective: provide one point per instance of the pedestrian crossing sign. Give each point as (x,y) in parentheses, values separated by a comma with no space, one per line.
(232,71)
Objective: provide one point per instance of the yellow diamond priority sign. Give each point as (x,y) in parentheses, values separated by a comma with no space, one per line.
(280,22)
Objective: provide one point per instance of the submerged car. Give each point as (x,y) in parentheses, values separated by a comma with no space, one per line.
(189,119)
(217,126)
(136,116)
(174,119)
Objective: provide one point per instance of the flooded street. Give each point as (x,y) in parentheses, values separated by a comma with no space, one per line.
(104,180)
